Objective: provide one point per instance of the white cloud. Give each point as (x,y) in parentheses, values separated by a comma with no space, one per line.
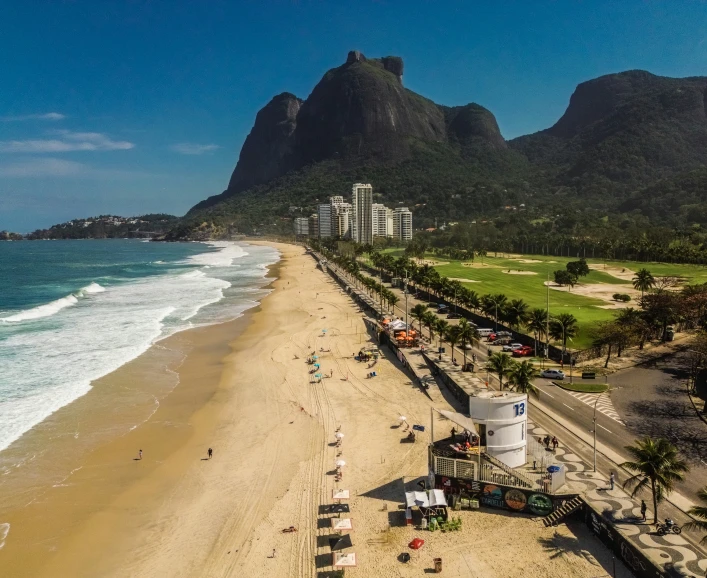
(69,141)
(186,148)
(38,167)
(45,116)
(42,167)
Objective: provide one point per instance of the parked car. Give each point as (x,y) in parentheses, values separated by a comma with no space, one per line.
(512,346)
(524,351)
(552,374)
(454,316)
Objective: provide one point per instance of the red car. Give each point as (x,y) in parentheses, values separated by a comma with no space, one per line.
(524,351)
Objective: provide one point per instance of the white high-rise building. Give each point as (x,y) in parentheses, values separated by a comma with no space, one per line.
(389,223)
(362,213)
(340,216)
(324,214)
(343,221)
(380,220)
(301,226)
(402,224)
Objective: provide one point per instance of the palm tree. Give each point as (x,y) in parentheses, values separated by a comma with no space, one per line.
(537,323)
(492,305)
(453,338)
(521,377)
(441,327)
(699,512)
(392,300)
(656,465)
(564,327)
(467,334)
(643,281)
(429,319)
(418,313)
(500,364)
(516,313)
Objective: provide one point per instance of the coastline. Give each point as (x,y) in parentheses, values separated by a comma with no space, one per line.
(248,393)
(150,402)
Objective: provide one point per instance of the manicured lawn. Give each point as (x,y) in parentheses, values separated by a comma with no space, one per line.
(582,387)
(531,288)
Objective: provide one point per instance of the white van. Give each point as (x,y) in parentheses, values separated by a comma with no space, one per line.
(483,332)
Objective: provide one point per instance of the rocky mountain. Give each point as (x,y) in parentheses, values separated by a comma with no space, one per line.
(627,129)
(620,133)
(358,113)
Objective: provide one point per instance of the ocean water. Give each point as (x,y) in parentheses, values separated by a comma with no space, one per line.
(74,311)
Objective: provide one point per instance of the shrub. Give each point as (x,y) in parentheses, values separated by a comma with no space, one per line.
(622,297)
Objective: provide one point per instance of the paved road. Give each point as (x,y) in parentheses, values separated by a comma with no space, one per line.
(647,400)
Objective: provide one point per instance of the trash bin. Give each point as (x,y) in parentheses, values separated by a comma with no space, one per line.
(438,565)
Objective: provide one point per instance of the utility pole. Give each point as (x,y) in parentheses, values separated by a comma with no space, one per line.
(547,318)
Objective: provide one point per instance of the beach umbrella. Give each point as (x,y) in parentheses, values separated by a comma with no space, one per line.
(338,543)
(338,435)
(402,418)
(315,357)
(340,463)
(317,375)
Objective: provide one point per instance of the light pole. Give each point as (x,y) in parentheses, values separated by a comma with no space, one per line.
(406,300)
(495,322)
(455,299)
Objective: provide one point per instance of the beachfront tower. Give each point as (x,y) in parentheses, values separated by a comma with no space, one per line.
(380,220)
(301,226)
(324,214)
(402,224)
(362,213)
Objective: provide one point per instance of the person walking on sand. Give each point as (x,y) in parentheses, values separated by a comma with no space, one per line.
(612,481)
(555,443)
(210,452)
(139,455)
(643,510)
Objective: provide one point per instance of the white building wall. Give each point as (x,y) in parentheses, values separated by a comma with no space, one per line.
(301,226)
(505,418)
(380,220)
(402,224)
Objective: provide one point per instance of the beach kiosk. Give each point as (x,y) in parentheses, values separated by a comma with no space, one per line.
(501,418)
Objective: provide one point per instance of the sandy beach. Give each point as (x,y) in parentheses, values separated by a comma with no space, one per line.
(243,388)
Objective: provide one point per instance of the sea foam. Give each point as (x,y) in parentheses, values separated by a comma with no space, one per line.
(75,340)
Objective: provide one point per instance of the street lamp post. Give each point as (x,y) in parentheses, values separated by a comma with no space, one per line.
(455,299)
(495,322)
(406,300)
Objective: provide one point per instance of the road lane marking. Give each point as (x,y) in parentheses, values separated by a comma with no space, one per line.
(547,394)
(602,427)
(568,406)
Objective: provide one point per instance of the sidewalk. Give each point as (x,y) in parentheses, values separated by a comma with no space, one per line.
(672,552)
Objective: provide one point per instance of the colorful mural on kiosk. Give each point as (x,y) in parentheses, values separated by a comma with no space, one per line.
(504,497)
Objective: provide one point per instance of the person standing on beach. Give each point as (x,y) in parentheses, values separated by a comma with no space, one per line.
(139,455)
(643,510)
(210,452)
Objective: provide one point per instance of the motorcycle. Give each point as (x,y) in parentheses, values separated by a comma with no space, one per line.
(669,527)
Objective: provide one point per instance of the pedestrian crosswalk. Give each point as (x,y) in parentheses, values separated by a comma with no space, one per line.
(604,404)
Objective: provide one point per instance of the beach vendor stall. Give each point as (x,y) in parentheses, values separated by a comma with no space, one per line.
(430,504)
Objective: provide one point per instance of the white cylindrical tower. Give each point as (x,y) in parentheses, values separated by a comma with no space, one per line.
(501,418)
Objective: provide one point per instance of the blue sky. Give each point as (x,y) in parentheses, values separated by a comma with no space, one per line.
(138,106)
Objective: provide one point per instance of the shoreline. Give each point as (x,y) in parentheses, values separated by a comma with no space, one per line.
(61,453)
(251,397)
